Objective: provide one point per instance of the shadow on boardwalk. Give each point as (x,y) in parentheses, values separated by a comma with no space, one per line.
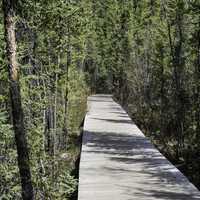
(138,151)
(125,121)
(119,163)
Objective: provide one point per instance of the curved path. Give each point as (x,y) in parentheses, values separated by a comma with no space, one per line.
(119,163)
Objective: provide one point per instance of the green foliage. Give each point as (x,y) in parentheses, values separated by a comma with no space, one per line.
(144,52)
(9,175)
(51,37)
(147,55)
(78,93)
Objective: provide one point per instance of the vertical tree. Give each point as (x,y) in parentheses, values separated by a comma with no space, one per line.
(15,97)
(176,44)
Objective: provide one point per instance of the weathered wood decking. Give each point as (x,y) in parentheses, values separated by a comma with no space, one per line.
(119,163)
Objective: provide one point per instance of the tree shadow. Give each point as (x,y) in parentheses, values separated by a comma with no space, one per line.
(133,163)
(100,98)
(135,156)
(119,113)
(162,194)
(120,121)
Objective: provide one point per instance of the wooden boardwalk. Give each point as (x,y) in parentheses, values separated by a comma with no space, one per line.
(119,163)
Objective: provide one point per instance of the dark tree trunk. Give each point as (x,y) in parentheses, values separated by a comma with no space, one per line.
(197,73)
(65,127)
(178,64)
(17,112)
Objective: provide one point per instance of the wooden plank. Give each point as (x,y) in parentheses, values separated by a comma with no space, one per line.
(119,163)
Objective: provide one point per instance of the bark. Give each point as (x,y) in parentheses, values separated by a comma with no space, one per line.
(55,108)
(17,111)
(65,127)
(162,98)
(176,48)
(178,69)
(48,129)
(178,65)
(197,73)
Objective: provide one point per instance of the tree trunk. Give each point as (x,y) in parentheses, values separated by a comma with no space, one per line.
(55,141)
(17,112)
(66,98)
(197,81)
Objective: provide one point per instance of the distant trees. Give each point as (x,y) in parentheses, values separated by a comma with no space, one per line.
(153,49)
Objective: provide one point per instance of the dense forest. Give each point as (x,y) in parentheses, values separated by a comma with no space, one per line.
(53,54)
